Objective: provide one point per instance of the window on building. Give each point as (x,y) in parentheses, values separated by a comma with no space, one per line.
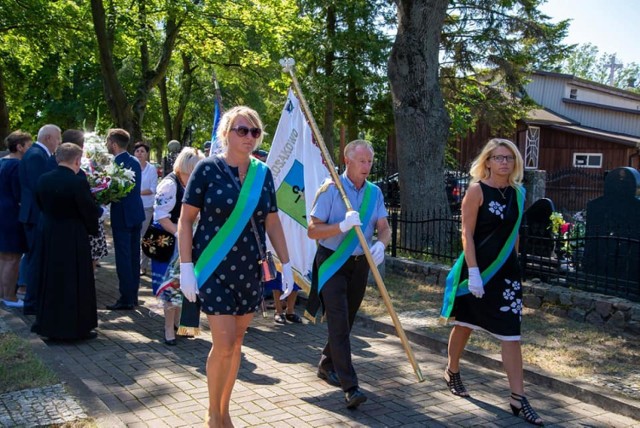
(573,94)
(587,160)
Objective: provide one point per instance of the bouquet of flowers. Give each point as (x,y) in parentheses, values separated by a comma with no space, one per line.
(109,182)
(572,234)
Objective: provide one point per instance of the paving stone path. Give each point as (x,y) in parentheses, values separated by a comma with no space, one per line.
(128,377)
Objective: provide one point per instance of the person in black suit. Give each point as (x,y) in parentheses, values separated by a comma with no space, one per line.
(64,272)
(127,216)
(34,163)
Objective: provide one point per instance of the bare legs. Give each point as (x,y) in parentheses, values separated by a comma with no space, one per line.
(9,268)
(511,360)
(171,319)
(457,341)
(291,301)
(223,363)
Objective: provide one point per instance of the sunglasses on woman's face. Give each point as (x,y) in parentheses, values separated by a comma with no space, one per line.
(242,131)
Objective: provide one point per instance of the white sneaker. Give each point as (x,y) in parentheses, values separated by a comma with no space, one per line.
(17,304)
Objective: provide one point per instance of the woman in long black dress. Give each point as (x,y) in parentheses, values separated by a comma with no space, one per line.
(220,263)
(484,290)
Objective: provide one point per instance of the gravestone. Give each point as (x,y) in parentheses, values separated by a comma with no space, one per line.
(615,214)
(539,240)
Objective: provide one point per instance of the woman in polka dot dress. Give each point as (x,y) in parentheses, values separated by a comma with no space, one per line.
(232,293)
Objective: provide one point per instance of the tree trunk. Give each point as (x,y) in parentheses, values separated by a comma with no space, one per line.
(421,121)
(164,106)
(4,112)
(128,115)
(186,85)
(114,94)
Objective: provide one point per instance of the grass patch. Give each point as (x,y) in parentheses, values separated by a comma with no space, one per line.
(559,346)
(20,368)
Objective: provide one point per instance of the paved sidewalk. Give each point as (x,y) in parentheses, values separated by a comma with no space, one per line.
(128,377)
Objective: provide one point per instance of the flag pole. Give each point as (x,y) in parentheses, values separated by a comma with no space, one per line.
(216,88)
(287,64)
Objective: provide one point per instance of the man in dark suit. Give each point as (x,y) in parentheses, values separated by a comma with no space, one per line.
(34,163)
(127,216)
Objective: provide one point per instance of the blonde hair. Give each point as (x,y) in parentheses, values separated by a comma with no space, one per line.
(479,170)
(226,123)
(353,145)
(187,160)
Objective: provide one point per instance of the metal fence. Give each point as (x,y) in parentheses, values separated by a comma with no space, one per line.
(607,263)
(430,236)
(570,189)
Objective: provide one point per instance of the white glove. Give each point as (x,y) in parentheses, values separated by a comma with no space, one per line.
(475,282)
(188,283)
(377,252)
(352,218)
(287,281)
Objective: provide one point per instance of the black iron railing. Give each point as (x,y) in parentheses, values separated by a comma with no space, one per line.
(607,263)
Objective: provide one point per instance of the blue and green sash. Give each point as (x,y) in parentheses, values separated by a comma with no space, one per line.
(229,233)
(350,242)
(454,287)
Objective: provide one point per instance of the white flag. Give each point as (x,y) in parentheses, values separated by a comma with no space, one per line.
(298,171)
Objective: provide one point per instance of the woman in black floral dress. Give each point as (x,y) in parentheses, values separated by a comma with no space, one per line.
(484,289)
(221,262)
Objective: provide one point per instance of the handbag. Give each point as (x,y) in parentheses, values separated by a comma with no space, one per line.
(267,265)
(158,244)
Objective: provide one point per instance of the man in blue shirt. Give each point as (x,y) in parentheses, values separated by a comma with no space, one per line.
(340,267)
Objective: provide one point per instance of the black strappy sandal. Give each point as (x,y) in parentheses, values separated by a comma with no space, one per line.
(454,382)
(528,413)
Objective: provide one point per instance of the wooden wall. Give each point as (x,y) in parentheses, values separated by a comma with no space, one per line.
(556,148)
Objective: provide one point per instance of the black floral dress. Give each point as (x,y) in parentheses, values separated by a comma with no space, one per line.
(499,311)
(234,288)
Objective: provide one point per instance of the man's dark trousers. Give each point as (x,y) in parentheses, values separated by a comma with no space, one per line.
(342,295)
(126,242)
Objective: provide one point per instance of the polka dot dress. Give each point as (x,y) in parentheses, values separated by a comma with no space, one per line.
(234,288)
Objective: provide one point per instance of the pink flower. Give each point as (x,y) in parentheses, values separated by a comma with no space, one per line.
(565,228)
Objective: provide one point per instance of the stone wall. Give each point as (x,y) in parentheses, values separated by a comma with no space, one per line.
(612,313)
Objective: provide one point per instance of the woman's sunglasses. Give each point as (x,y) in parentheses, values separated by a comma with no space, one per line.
(243,131)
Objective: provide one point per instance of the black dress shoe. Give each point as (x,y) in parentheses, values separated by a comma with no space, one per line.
(170,342)
(119,306)
(354,397)
(330,377)
(90,335)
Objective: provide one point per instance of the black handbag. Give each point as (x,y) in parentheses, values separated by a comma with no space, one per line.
(158,244)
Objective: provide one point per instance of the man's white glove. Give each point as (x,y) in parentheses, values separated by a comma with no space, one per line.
(352,218)
(377,252)
(287,281)
(475,282)
(188,283)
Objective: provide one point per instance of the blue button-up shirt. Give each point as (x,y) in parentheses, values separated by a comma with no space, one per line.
(330,208)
